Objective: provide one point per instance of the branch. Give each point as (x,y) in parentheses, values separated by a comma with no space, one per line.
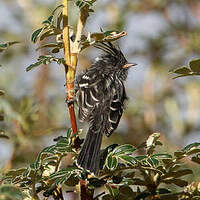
(69,68)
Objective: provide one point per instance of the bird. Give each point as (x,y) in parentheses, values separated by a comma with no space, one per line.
(100,96)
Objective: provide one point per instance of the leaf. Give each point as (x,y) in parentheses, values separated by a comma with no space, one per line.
(11,192)
(15,172)
(177,174)
(179,154)
(140,157)
(151,143)
(178,182)
(36,34)
(48,45)
(188,147)
(195,65)
(161,156)
(2,92)
(193,150)
(111,162)
(123,149)
(47,34)
(182,70)
(128,159)
(96,182)
(48,21)
(55,50)
(3,135)
(153,162)
(30,67)
(196,159)
(107,197)
(113,190)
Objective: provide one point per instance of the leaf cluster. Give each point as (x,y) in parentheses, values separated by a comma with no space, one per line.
(193,69)
(122,169)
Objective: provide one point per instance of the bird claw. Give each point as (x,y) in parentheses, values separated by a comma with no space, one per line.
(70,101)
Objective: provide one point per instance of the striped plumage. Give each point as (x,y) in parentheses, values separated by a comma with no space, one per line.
(100,95)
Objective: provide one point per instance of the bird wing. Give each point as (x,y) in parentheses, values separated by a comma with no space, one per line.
(116,107)
(90,93)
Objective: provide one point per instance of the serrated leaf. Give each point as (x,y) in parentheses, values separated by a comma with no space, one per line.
(195,65)
(123,149)
(182,70)
(128,159)
(36,34)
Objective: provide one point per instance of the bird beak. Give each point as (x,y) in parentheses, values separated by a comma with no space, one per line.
(128,65)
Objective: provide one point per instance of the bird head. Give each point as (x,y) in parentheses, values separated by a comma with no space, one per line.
(114,60)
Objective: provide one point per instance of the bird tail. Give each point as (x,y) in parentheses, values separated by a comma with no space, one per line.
(89,156)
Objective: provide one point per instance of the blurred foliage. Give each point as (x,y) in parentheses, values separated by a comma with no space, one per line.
(161,36)
(193,69)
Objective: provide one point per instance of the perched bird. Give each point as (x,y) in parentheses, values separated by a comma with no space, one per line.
(100,95)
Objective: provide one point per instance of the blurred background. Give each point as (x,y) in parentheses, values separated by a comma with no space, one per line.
(162,34)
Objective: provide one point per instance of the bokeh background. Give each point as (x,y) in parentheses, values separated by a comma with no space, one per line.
(162,34)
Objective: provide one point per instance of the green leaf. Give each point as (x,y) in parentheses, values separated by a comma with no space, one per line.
(128,159)
(195,65)
(111,162)
(11,192)
(48,21)
(179,154)
(196,159)
(188,147)
(48,46)
(14,172)
(30,67)
(96,182)
(182,70)
(55,50)
(107,197)
(139,158)
(153,162)
(36,34)
(58,7)
(193,150)
(123,149)
(113,190)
